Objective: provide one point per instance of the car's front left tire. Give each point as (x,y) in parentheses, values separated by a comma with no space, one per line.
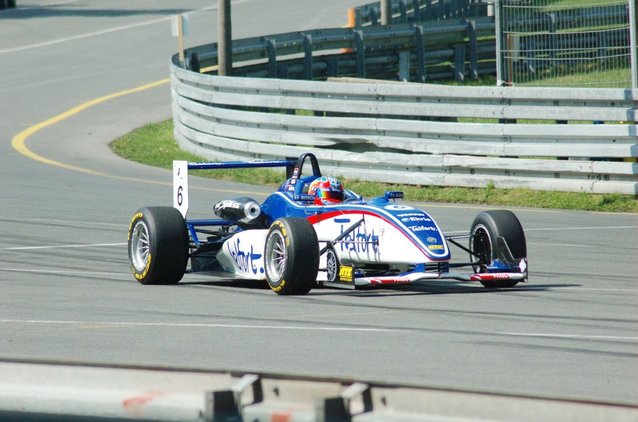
(486,229)
(158,245)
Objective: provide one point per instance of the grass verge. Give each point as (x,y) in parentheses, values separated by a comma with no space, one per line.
(155,145)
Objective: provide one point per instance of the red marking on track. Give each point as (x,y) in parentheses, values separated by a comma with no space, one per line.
(135,404)
(281,417)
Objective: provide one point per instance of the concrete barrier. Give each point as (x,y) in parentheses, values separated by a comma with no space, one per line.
(73,391)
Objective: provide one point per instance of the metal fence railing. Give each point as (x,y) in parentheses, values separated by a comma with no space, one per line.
(279,104)
(454,48)
(403,11)
(550,42)
(417,133)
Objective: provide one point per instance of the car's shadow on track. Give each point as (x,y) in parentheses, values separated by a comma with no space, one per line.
(240,284)
(430,288)
(437,289)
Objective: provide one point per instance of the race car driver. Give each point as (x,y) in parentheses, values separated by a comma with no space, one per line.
(327,191)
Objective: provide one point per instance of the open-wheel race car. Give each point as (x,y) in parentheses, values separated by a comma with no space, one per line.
(312,232)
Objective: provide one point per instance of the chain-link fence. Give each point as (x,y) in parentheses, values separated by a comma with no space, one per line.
(566,42)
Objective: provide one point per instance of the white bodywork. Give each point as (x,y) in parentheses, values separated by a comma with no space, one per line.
(243,254)
(374,240)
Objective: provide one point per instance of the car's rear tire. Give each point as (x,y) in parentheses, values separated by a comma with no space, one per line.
(291,256)
(486,228)
(158,245)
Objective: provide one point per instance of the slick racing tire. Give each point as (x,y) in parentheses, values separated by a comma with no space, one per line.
(291,256)
(158,245)
(487,227)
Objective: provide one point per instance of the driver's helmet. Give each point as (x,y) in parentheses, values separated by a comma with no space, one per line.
(327,191)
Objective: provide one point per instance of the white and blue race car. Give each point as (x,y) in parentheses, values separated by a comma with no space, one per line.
(295,245)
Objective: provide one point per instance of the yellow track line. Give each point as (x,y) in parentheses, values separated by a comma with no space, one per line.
(19,141)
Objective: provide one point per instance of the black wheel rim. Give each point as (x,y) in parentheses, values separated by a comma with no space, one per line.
(481,248)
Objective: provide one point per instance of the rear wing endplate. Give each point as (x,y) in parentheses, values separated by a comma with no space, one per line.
(181,168)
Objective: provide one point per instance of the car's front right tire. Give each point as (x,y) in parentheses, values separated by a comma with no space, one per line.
(291,256)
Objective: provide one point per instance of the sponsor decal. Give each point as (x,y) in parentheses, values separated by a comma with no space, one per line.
(489,277)
(410,214)
(359,240)
(346,274)
(303,197)
(278,287)
(423,229)
(395,207)
(434,244)
(142,275)
(228,203)
(416,219)
(246,260)
(390,280)
(137,216)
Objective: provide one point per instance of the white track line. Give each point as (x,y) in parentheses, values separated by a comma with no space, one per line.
(81,36)
(104,31)
(298,328)
(551,229)
(96,33)
(90,245)
(65,272)
(200,325)
(55,221)
(567,245)
(571,336)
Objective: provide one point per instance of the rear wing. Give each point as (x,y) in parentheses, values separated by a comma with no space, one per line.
(181,168)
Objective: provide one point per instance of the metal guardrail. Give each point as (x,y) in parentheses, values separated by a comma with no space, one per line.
(64,391)
(418,133)
(7,4)
(420,10)
(405,133)
(440,50)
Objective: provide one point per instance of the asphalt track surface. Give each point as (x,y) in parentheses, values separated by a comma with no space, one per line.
(66,293)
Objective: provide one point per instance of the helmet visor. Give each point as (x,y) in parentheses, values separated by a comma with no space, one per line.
(331,195)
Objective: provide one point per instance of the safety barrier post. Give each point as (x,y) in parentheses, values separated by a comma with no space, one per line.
(7,4)
(459,62)
(416,10)
(361,54)
(403,7)
(633,28)
(307,60)
(420,53)
(473,42)
(386,12)
(271,48)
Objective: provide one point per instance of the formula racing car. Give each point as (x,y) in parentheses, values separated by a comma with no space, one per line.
(312,232)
